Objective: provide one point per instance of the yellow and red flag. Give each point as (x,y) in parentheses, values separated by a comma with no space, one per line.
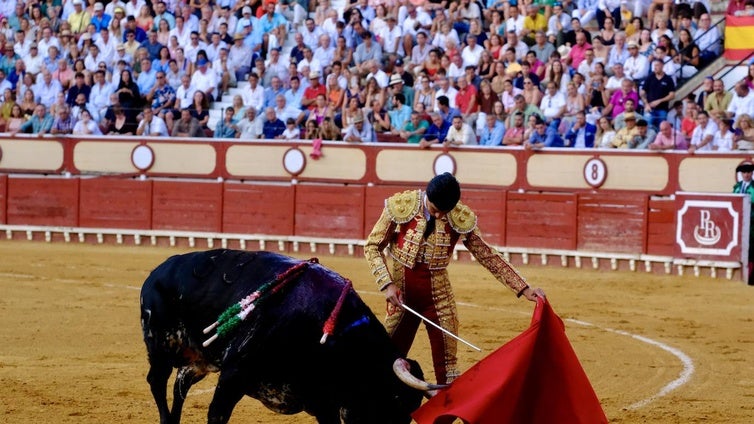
(738,37)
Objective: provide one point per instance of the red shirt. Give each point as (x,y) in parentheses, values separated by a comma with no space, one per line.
(311,93)
(466,97)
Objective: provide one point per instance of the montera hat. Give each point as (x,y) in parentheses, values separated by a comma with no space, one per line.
(444,191)
(745,167)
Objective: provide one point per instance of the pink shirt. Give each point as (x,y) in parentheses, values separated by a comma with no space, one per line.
(669,141)
(577,54)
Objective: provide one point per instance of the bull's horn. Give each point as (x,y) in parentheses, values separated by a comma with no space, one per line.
(401,368)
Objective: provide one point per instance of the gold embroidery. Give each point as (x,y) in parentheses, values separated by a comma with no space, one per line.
(462,219)
(402,207)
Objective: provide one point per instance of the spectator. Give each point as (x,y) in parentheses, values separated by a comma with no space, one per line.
(717,103)
(85,125)
(460,133)
(492,132)
(666,139)
(644,136)
(581,134)
(121,124)
(625,135)
(329,131)
(723,139)
(151,125)
(205,80)
(703,135)
(514,135)
(708,39)
(413,130)
(64,122)
(273,127)
(40,123)
(227,127)
(543,136)
(250,127)
(742,102)
(658,91)
(200,109)
(744,133)
(359,131)
(15,119)
(80,18)
(605,134)
(284,112)
(291,130)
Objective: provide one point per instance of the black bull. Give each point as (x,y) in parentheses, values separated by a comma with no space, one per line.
(275,354)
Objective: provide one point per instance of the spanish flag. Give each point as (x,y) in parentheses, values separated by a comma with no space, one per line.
(535,378)
(738,37)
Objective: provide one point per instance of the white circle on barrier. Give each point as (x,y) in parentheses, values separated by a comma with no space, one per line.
(595,172)
(444,163)
(294,161)
(142,157)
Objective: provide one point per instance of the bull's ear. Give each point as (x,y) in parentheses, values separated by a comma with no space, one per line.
(401,368)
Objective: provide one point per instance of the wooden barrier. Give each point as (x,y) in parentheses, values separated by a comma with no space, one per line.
(115,203)
(187,205)
(258,208)
(43,201)
(3,199)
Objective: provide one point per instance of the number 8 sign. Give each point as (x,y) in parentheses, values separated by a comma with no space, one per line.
(595,172)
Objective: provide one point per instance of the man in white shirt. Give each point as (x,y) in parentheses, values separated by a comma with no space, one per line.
(185,93)
(515,22)
(444,89)
(553,105)
(204,79)
(151,125)
(704,133)
(636,67)
(250,127)
(107,45)
(390,38)
(48,89)
(324,52)
(47,40)
(253,97)
(99,96)
(742,102)
(472,53)
(377,73)
(707,39)
(460,133)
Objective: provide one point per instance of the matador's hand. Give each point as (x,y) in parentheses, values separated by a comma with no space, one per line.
(533,294)
(393,295)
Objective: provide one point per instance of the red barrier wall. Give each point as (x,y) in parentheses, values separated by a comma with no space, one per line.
(329,211)
(661,227)
(115,203)
(3,198)
(258,209)
(43,201)
(187,205)
(612,223)
(543,220)
(489,205)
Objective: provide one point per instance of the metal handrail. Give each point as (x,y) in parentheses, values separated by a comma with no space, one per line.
(740,62)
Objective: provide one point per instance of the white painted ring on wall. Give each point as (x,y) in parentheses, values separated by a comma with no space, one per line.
(142,157)
(444,163)
(294,161)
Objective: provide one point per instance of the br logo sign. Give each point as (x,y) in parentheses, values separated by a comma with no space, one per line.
(711,226)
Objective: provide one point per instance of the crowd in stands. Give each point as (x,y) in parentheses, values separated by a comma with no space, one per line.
(533,73)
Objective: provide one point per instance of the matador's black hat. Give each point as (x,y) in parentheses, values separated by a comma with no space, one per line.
(744,167)
(444,191)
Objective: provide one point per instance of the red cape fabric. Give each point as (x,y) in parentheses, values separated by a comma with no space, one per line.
(535,378)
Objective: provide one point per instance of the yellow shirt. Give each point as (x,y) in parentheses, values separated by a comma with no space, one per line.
(535,24)
(79,21)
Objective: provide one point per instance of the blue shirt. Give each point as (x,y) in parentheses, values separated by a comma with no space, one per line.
(399,117)
(102,22)
(437,134)
(146,81)
(270,94)
(494,136)
(272,129)
(223,130)
(550,138)
(452,113)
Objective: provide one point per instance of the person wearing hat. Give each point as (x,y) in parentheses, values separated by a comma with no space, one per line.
(100,19)
(79,19)
(397,85)
(636,67)
(746,187)
(644,136)
(624,136)
(420,229)
(359,131)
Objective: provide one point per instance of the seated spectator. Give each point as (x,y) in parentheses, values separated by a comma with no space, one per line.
(311,130)
(151,125)
(723,140)
(200,110)
(15,120)
(359,131)
(543,136)
(128,93)
(414,129)
(492,133)
(436,133)
(273,127)
(187,126)
(28,103)
(400,114)
(460,133)
(292,131)
(666,139)
(378,118)
(250,127)
(581,134)
(226,128)
(122,124)
(644,136)
(85,125)
(205,79)
(329,131)
(708,39)
(743,134)
(624,136)
(162,97)
(64,122)
(39,124)
(514,135)
(742,102)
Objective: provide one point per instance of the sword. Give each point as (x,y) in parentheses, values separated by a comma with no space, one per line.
(440,328)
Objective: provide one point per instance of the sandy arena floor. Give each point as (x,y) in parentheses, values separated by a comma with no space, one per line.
(657,349)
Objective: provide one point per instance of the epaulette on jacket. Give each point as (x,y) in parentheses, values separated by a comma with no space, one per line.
(403,206)
(462,219)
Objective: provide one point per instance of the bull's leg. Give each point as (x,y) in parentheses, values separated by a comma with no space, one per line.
(184,379)
(159,372)
(230,389)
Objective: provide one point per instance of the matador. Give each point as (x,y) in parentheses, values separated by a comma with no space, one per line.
(419,230)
